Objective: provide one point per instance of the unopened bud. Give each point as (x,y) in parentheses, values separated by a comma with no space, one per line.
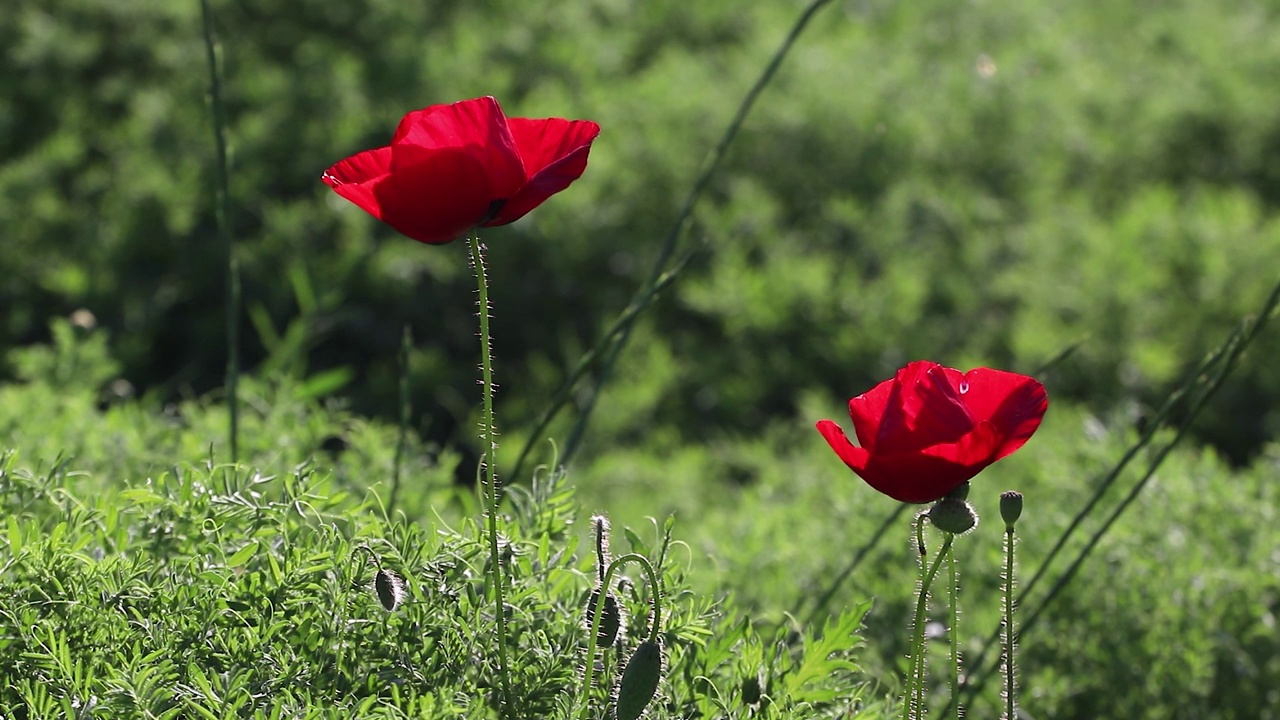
(389,588)
(1010,508)
(639,681)
(954,516)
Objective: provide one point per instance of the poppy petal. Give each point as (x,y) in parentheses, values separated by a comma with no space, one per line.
(476,127)
(924,409)
(921,477)
(868,410)
(1019,416)
(852,455)
(941,416)
(437,200)
(554,152)
(355,178)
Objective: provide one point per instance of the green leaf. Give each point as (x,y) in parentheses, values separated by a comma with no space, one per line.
(243,555)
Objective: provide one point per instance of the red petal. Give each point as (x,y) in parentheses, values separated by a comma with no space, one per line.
(439,199)
(924,409)
(853,456)
(1015,404)
(356,177)
(941,416)
(554,152)
(867,410)
(475,127)
(921,477)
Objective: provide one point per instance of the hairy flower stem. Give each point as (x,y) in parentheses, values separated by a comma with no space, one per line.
(1010,637)
(655,621)
(490,465)
(915,689)
(955,635)
(221,205)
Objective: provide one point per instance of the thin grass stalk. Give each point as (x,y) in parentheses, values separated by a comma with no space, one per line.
(222,214)
(1225,357)
(406,346)
(820,605)
(489,458)
(622,328)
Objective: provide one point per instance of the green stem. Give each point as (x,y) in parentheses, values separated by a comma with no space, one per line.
(489,459)
(659,276)
(406,345)
(916,697)
(221,213)
(913,664)
(655,599)
(955,636)
(1010,639)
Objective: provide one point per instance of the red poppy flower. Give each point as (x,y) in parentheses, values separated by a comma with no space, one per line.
(452,167)
(932,428)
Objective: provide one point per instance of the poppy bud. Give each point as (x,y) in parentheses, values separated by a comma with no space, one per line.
(610,618)
(954,516)
(389,588)
(639,681)
(1010,508)
(960,492)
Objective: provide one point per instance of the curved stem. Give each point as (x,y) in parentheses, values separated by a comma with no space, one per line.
(490,465)
(655,620)
(916,696)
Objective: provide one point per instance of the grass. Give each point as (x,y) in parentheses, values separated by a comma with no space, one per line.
(147,577)
(158,584)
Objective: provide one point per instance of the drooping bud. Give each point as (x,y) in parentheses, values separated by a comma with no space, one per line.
(1010,508)
(389,588)
(954,516)
(639,681)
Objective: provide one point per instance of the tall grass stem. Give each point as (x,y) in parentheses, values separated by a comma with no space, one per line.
(222,214)
(406,347)
(660,277)
(1204,384)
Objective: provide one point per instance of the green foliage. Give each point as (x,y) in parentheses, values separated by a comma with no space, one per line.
(191,589)
(144,574)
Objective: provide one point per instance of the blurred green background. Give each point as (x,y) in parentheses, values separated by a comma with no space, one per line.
(975,183)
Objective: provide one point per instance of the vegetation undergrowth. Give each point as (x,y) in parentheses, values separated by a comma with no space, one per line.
(121,532)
